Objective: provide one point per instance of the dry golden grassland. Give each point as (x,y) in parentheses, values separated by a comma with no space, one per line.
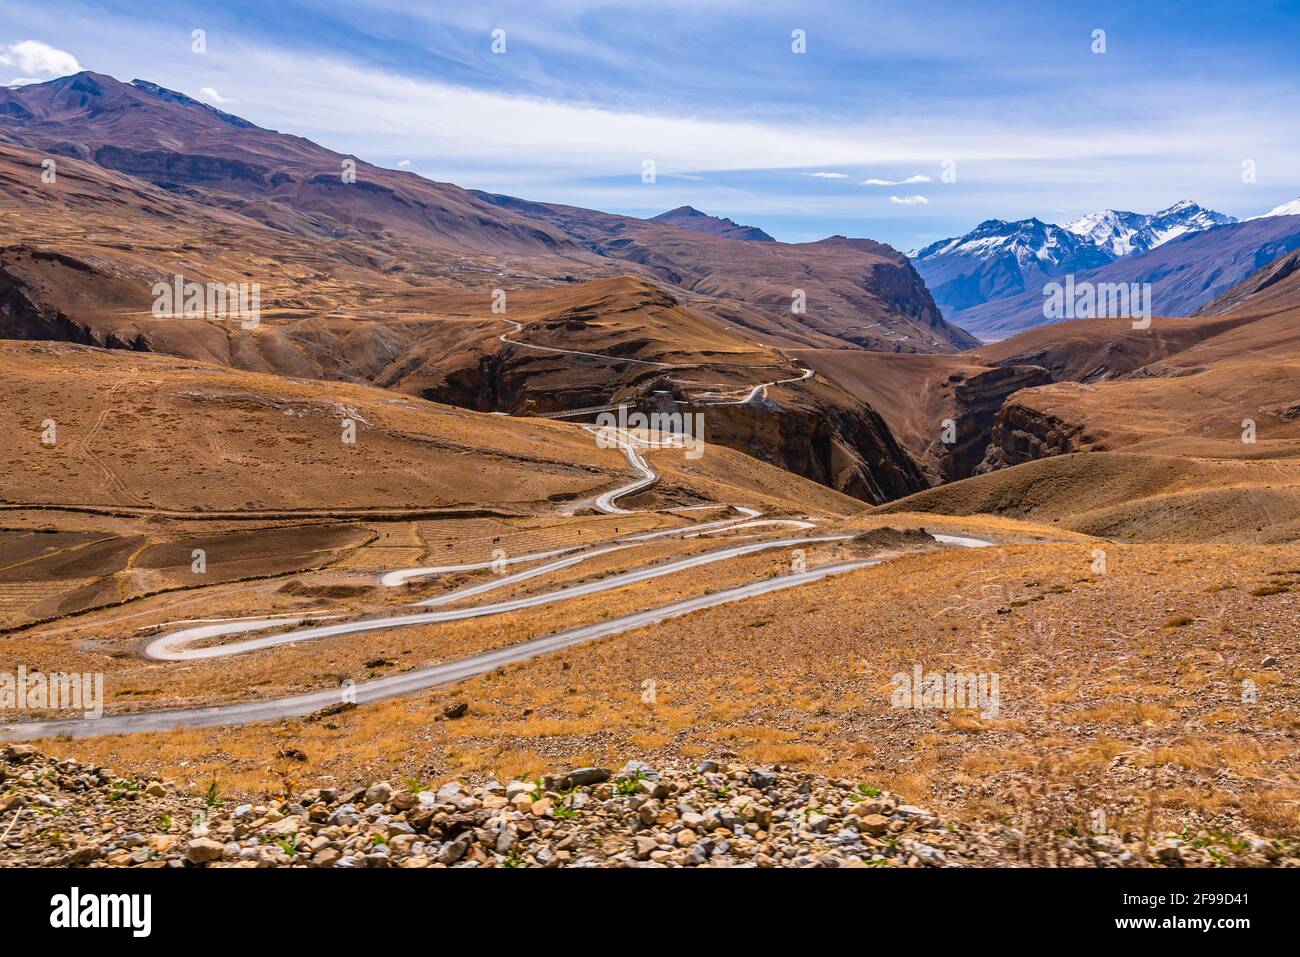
(102,644)
(1108,698)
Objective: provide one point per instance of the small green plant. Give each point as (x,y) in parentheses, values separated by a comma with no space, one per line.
(165,822)
(289,844)
(563,812)
(632,784)
(121,788)
(378,839)
(210,799)
(513,859)
(1212,836)
(866,790)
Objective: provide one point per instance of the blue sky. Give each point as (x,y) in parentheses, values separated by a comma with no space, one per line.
(736,123)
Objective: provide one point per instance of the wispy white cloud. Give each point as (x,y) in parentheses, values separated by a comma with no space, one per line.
(208,93)
(911,180)
(361,109)
(828,175)
(37,61)
(583,98)
(909,200)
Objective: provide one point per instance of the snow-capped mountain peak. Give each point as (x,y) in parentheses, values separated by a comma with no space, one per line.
(1183,217)
(998,258)
(1123,233)
(1027,240)
(1286,209)
(1113,230)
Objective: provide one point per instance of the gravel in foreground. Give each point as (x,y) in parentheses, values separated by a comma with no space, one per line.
(61,813)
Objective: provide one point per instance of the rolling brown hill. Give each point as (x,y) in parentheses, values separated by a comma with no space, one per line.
(292,185)
(392,280)
(1130,497)
(857,291)
(1231,395)
(150,431)
(1094,350)
(138,433)
(1190,431)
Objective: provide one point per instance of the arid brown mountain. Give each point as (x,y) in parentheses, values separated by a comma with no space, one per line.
(692,218)
(283,181)
(392,280)
(851,291)
(857,291)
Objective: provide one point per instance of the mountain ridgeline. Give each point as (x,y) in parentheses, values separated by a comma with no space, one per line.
(381,276)
(990,281)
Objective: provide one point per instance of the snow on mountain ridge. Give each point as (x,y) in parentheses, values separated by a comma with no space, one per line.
(999,259)
(1123,233)
(1286,209)
(1028,240)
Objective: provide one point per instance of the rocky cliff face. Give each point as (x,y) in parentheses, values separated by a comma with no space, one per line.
(25,313)
(828,438)
(848,449)
(23,318)
(974,409)
(1021,434)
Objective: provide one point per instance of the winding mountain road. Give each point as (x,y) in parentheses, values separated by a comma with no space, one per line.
(518,327)
(648,477)
(177,646)
(761,388)
(273,709)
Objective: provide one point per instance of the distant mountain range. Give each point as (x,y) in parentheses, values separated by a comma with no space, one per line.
(999,258)
(167,149)
(691,218)
(990,280)
(1184,274)
(1124,233)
